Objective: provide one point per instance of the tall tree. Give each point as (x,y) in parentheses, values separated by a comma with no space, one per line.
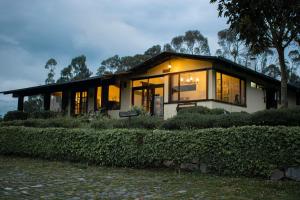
(265,24)
(232,47)
(192,42)
(50,65)
(77,70)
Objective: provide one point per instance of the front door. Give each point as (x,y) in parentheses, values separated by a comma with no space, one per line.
(150,98)
(271,101)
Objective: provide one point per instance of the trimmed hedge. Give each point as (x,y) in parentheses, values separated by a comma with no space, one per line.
(202,110)
(249,150)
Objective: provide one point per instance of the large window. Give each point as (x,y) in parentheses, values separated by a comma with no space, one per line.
(114,97)
(188,86)
(99,97)
(230,89)
(80,102)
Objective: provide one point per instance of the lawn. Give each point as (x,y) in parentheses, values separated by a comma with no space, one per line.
(24,178)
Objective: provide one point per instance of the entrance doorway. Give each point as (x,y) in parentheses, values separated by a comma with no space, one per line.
(149,94)
(271,101)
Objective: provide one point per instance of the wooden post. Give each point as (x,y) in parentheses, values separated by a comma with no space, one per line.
(20,103)
(47,99)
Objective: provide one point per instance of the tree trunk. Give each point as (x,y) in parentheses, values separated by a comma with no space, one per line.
(284,77)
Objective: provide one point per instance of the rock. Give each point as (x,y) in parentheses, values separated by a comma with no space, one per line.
(277,175)
(189,166)
(293,173)
(37,186)
(168,163)
(203,168)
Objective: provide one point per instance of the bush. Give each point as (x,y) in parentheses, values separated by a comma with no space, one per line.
(202,110)
(275,117)
(43,114)
(196,121)
(249,150)
(15,115)
(64,122)
(146,122)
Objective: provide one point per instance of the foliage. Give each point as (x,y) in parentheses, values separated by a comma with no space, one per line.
(262,28)
(249,151)
(64,122)
(77,70)
(202,117)
(232,47)
(192,42)
(33,104)
(145,122)
(43,114)
(15,115)
(200,121)
(202,110)
(50,65)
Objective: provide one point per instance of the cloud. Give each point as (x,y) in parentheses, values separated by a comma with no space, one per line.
(32,31)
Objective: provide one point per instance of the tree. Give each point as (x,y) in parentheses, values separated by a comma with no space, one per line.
(77,70)
(50,65)
(192,42)
(265,24)
(232,47)
(271,70)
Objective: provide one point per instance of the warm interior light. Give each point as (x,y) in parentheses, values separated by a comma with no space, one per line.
(181,79)
(169,66)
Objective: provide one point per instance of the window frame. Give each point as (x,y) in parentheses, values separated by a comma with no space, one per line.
(240,80)
(80,102)
(110,106)
(182,72)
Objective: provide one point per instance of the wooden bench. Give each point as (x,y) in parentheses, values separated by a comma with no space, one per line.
(185,105)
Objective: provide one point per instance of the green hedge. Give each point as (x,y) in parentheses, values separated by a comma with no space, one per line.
(249,150)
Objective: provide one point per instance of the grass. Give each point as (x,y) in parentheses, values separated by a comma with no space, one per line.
(23,178)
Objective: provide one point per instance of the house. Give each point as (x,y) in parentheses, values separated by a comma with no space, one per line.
(161,83)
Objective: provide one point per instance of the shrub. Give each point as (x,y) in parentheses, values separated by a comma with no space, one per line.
(249,150)
(196,121)
(275,117)
(65,122)
(146,122)
(202,110)
(43,114)
(15,115)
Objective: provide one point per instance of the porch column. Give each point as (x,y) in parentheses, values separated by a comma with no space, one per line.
(20,103)
(47,99)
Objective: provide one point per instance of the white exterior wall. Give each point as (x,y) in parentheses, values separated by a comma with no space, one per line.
(126,96)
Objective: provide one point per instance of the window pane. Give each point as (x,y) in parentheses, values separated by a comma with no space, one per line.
(230,89)
(156,81)
(77,103)
(219,86)
(56,102)
(137,97)
(99,93)
(139,83)
(193,86)
(174,87)
(114,96)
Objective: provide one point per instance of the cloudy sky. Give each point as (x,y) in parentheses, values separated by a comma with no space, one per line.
(32,31)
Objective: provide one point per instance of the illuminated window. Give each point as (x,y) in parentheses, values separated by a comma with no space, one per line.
(230,89)
(99,93)
(255,85)
(114,97)
(80,102)
(188,86)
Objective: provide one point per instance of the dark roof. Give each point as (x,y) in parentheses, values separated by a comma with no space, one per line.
(160,58)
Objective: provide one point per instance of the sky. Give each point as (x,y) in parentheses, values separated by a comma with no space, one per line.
(33,31)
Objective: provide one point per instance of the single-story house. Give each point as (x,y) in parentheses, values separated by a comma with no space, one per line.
(163,82)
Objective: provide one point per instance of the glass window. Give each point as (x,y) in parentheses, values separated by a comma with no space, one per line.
(156,81)
(230,89)
(114,96)
(188,86)
(80,102)
(140,83)
(56,102)
(99,95)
